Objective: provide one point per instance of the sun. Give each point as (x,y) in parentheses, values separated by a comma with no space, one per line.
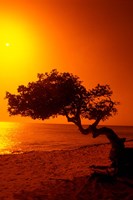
(17,47)
(8,44)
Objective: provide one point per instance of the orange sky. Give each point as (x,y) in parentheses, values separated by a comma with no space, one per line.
(90,38)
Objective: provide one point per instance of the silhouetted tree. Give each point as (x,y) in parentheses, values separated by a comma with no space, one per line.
(63,94)
(56,94)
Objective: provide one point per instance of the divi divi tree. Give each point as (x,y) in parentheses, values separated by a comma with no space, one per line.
(55,94)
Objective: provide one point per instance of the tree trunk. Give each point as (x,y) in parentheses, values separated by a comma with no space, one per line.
(116,154)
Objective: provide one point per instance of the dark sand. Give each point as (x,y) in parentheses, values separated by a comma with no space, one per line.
(62,175)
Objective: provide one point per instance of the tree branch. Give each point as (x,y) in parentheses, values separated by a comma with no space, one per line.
(69,119)
(97,121)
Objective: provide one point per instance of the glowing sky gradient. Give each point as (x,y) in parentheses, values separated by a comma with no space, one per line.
(90,38)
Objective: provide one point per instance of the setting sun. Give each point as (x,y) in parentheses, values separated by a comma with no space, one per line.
(64,67)
(20,40)
(18,49)
(86,39)
(8,44)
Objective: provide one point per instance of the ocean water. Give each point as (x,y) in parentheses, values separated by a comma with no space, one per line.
(23,137)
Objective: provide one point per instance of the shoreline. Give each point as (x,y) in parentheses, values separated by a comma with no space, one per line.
(128,143)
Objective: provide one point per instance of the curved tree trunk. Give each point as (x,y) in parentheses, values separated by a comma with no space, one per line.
(117,144)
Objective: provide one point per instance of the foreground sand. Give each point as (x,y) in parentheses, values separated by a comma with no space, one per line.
(60,175)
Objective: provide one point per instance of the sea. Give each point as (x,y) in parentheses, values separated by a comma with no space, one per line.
(26,137)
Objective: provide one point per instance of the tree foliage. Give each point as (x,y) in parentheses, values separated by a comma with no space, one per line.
(56,94)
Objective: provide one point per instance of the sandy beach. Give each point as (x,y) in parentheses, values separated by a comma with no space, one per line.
(60,175)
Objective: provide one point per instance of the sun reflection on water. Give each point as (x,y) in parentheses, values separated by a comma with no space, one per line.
(7,135)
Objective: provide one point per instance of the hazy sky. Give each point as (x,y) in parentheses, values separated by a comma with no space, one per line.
(90,38)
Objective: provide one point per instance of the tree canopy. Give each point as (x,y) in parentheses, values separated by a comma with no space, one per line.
(56,94)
